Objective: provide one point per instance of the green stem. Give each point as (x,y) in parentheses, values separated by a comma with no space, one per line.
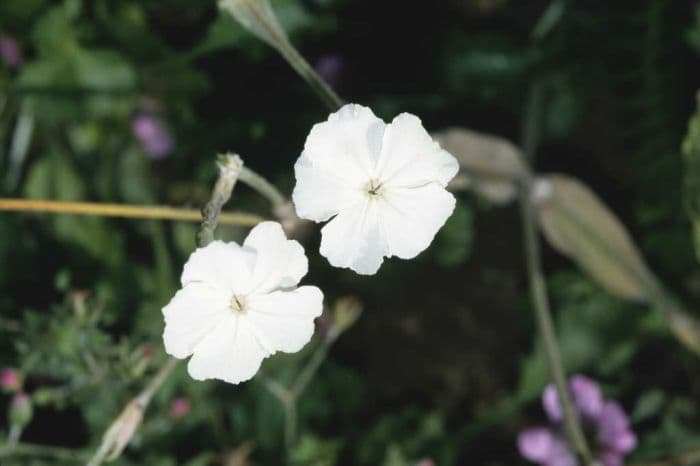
(262,186)
(540,301)
(47,451)
(230,166)
(302,67)
(312,366)
(162,375)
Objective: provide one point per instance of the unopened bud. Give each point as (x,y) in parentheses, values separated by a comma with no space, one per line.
(10,379)
(345,312)
(78,302)
(179,408)
(122,429)
(257,17)
(541,191)
(21,410)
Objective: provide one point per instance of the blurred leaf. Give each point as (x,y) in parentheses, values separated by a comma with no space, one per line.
(453,243)
(65,73)
(314,451)
(648,405)
(691,182)
(54,177)
(596,332)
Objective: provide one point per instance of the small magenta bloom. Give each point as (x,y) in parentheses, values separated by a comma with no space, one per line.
(179,408)
(330,68)
(154,135)
(609,425)
(9,379)
(10,52)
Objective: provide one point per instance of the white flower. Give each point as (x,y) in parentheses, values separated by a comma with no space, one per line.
(382,185)
(240,304)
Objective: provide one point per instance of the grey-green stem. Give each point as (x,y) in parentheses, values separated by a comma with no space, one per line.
(543,316)
(262,186)
(230,166)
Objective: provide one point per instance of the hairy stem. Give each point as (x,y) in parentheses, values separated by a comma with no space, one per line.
(262,186)
(230,166)
(123,211)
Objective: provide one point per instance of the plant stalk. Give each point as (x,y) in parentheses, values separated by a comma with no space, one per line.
(123,211)
(540,301)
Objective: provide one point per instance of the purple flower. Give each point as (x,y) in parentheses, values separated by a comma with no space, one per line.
(10,53)
(605,419)
(330,68)
(153,135)
(9,379)
(179,408)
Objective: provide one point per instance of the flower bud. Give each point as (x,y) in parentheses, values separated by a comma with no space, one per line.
(179,408)
(10,379)
(122,429)
(78,302)
(346,311)
(21,410)
(257,17)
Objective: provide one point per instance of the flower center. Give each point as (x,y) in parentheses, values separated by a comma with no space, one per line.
(237,304)
(374,188)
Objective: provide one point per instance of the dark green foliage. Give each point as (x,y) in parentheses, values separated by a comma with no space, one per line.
(444,362)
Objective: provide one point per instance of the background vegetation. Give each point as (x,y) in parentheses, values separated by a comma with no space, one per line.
(444,362)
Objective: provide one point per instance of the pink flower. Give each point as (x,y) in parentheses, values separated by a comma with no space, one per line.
(330,68)
(154,136)
(179,408)
(613,437)
(10,53)
(9,379)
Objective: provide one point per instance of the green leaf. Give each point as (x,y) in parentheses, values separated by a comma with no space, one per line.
(55,178)
(454,241)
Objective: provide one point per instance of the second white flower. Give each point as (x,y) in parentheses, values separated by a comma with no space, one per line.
(382,185)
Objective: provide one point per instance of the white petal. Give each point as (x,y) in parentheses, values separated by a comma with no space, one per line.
(279,262)
(411,217)
(193,312)
(319,195)
(284,320)
(339,159)
(411,158)
(223,264)
(231,352)
(353,239)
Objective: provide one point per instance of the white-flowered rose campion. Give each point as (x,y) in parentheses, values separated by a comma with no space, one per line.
(382,185)
(240,304)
